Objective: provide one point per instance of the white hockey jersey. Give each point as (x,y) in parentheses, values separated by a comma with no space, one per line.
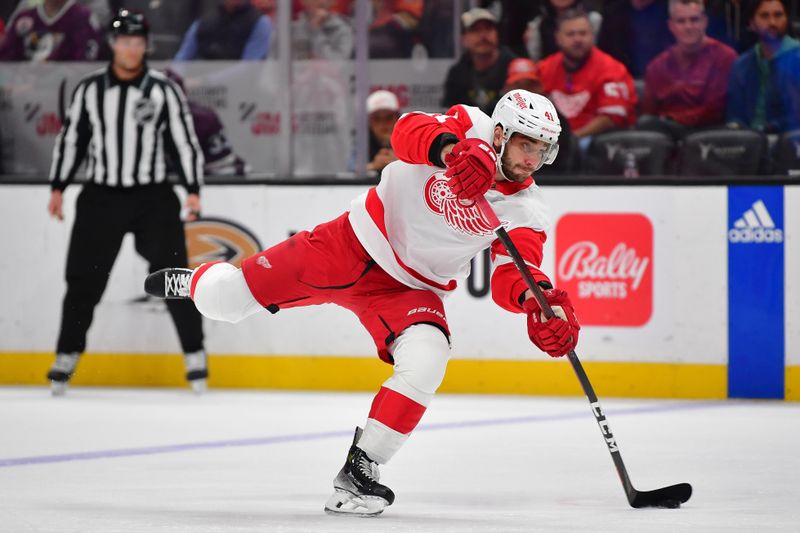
(415,228)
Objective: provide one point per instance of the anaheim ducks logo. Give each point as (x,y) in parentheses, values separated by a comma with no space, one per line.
(216,239)
(464,218)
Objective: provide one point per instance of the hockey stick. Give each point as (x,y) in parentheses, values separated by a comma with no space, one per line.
(670,497)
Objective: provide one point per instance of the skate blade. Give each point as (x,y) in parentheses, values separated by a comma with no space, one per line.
(343,503)
(199,386)
(58,388)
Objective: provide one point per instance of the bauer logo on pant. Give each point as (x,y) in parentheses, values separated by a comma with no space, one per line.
(605,262)
(427,310)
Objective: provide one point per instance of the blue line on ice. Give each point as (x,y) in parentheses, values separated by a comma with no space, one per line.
(305,437)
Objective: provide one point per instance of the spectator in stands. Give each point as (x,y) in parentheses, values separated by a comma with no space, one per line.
(383,110)
(218,156)
(634,32)
(524,74)
(540,34)
(478,76)
(685,86)
(237,30)
(56,30)
(320,33)
(592,89)
(394,28)
(99,8)
(764,86)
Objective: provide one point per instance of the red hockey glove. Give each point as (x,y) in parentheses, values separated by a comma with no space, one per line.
(556,336)
(471,167)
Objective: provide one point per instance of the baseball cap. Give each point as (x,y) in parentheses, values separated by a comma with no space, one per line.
(382,100)
(522,68)
(469,18)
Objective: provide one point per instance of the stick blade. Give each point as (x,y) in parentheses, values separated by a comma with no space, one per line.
(668,497)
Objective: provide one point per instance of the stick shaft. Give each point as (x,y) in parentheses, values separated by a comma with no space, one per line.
(577,367)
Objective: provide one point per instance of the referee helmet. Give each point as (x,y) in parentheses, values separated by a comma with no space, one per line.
(127,22)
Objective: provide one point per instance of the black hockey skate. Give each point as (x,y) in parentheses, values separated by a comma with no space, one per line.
(356,488)
(61,371)
(168,283)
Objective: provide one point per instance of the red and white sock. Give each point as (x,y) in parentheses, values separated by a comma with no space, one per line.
(420,355)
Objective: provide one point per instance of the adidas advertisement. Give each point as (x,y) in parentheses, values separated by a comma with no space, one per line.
(755,225)
(756,292)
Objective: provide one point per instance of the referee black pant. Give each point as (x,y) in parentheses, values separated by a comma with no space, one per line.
(103,217)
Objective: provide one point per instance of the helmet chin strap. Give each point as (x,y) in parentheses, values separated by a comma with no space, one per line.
(500,162)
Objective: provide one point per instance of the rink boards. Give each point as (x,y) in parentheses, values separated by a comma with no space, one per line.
(682,292)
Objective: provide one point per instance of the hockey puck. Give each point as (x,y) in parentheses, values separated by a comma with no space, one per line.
(671,504)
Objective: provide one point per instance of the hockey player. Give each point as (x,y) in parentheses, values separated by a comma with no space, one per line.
(394,256)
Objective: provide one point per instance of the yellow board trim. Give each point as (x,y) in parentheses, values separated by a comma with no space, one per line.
(548,377)
(792,381)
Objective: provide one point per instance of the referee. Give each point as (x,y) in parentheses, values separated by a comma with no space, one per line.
(127,116)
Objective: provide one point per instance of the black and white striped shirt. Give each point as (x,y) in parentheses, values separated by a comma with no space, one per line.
(126,128)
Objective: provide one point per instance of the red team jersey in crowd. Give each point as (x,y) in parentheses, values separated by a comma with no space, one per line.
(602,86)
(413,226)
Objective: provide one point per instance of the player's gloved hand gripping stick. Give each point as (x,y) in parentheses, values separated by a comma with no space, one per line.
(471,167)
(555,337)
(672,496)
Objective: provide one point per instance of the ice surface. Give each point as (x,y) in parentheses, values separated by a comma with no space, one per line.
(161,460)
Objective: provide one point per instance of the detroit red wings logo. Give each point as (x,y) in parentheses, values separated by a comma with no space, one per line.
(571,105)
(464,218)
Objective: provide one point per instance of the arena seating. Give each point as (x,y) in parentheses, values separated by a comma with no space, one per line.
(608,152)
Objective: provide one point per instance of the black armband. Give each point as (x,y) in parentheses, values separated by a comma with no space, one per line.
(435,151)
